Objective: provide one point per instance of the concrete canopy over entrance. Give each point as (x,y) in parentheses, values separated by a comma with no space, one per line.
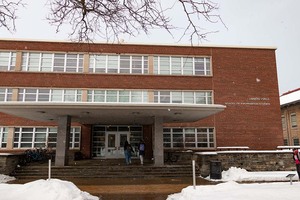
(110,113)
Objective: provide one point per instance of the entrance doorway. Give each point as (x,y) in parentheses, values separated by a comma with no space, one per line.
(108,141)
(115,144)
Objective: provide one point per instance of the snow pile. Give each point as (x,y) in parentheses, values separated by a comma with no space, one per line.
(4,178)
(242,175)
(232,190)
(53,189)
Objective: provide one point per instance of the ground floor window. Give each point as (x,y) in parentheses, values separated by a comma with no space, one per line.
(41,137)
(3,137)
(189,137)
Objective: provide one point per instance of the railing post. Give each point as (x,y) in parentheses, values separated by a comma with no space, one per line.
(194,174)
(49,170)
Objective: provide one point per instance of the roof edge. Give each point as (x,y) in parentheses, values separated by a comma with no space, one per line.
(141,43)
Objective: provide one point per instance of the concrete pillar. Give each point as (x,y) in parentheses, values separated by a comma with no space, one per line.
(62,143)
(158,142)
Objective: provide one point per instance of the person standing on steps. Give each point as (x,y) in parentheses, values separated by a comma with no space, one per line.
(296,158)
(141,149)
(127,151)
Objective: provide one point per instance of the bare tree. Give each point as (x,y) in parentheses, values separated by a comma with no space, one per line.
(8,14)
(111,19)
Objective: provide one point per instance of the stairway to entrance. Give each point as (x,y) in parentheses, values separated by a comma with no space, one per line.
(102,169)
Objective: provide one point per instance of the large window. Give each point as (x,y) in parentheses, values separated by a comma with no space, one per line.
(40,137)
(189,137)
(123,64)
(49,95)
(52,62)
(172,65)
(3,137)
(187,97)
(120,96)
(7,61)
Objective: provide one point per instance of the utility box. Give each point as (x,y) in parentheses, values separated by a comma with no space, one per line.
(215,169)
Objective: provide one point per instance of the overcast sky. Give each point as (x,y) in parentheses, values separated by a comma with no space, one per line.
(249,23)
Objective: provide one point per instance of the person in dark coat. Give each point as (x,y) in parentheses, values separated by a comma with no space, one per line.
(128,152)
(141,149)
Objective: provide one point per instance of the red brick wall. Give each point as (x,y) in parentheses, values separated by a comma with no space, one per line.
(244,79)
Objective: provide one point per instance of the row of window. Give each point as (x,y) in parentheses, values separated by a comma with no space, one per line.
(295,142)
(101,63)
(38,137)
(107,96)
(118,64)
(182,65)
(52,62)
(189,137)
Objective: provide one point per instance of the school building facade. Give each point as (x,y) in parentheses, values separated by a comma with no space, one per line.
(91,97)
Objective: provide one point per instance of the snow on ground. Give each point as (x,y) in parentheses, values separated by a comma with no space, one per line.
(53,189)
(228,189)
(231,190)
(4,178)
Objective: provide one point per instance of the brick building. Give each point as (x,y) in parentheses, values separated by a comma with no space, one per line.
(290,116)
(92,97)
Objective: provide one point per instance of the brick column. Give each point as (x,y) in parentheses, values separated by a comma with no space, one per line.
(158,145)
(10,138)
(63,139)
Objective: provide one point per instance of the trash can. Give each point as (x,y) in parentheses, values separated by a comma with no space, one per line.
(215,169)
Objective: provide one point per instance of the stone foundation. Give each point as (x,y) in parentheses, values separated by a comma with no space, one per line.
(249,160)
(8,163)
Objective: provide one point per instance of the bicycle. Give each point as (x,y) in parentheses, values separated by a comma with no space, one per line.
(171,157)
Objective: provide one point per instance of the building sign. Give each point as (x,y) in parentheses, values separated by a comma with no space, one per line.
(253,101)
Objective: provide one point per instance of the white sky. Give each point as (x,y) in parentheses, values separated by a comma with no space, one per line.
(250,22)
(56,189)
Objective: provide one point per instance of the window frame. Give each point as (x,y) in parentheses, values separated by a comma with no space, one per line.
(32,134)
(185,141)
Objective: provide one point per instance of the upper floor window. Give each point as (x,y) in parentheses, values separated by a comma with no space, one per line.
(283,122)
(186,97)
(293,120)
(5,94)
(52,62)
(121,96)
(123,64)
(49,95)
(172,65)
(7,61)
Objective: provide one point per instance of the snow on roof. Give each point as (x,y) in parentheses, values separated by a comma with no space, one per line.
(290,97)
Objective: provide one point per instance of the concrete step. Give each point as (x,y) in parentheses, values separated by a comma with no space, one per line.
(97,169)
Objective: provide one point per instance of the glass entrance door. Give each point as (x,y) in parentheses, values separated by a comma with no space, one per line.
(115,144)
